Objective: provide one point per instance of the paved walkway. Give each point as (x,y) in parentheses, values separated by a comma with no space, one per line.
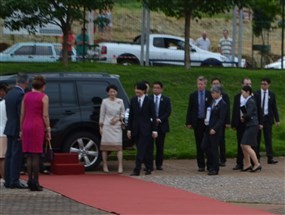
(263,190)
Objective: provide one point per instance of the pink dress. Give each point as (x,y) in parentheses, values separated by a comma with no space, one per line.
(33,129)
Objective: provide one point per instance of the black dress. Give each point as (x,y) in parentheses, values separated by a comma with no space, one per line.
(251,120)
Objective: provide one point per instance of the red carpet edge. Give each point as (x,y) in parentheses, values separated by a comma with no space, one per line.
(126,195)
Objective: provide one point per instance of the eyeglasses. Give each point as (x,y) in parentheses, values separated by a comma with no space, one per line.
(263,84)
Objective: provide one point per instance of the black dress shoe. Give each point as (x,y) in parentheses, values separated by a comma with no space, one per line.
(213,172)
(222,164)
(145,169)
(6,185)
(201,170)
(135,173)
(271,161)
(159,168)
(148,172)
(19,186)
(237,167)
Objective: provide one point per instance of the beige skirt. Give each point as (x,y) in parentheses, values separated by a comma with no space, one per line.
(3,146)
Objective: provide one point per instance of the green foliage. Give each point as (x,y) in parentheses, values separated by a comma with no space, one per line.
(178,83)
(264,14)
(29,14)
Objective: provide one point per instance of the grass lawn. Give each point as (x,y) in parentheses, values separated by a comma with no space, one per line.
(179,83)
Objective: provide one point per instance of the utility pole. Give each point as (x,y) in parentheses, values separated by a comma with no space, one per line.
(84,32)
(143,34)
(240,37)
(145,29)
(282,34)
(234,34)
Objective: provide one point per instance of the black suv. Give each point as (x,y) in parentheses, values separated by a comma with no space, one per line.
(74,107)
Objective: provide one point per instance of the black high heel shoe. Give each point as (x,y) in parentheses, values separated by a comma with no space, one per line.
(256,169)
(34,186)
(38,187)
(246,169)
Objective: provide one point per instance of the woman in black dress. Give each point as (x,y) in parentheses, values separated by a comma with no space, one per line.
(249,139)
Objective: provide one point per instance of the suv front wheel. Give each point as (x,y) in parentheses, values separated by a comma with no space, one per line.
(87,146)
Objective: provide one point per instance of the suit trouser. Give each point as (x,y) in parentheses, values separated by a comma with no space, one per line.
(144,154)
(13,161)
(222,147)
(267,134)
(213,153)
(159,142)
(239,133)
(199,133)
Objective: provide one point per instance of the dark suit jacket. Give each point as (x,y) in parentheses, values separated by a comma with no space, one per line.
(251,115)
(228,114)
(141,119)
(164,112)
(13,101)
(272,106)
(218,116)
(236,122)
(193,105)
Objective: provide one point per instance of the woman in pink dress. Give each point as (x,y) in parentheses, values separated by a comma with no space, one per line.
(35,128)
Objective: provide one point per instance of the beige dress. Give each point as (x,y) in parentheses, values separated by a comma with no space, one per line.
(3,120)
(111,134)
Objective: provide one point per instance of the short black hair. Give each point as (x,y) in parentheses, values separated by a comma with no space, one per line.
(141,86)
(215,78)
(267,80)
(111,86)
(4,86)
(158,83)
(247,89)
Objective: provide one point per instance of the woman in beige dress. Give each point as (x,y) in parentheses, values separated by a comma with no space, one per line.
(111,119)
(3,138)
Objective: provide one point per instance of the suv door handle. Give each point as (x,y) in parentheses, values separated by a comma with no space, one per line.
(68,112)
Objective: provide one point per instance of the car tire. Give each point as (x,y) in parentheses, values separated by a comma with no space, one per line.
(87,146)
(211,63)
(127,60)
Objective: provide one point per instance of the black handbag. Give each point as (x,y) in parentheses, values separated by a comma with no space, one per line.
(49,154)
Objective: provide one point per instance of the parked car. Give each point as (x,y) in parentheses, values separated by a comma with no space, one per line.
(163,50)
(74,107)
(58,49)
(33,52)
(276,65)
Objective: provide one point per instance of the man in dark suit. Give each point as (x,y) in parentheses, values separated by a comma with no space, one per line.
(162,111)
(267,108)
(222,144)
(215,129)
(13,157)
(238,124)
(142,128)
(196,112)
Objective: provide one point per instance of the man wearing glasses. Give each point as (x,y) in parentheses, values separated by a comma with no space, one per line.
(267,108)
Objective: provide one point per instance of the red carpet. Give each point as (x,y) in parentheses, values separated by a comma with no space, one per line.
(126,195)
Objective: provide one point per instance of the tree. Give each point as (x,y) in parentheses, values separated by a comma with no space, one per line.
(264,14)
(190,9)
(30,14)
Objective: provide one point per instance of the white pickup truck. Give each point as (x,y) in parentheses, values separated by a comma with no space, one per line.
(163,50)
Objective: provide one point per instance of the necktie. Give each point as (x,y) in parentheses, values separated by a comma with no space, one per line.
(139,101)
(201,106)
(156,106)
(263,103)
